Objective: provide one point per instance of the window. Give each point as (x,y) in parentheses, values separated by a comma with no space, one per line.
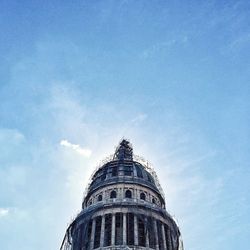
(128,170)
(113,194)
(128,194)
(142,196)
(99,197)
(153,200)
(104,173)
(114,171)
(138,171)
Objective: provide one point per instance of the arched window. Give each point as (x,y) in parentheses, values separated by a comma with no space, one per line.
(153,200)
(99,197)
(113,194)
(128,194)
(142,196)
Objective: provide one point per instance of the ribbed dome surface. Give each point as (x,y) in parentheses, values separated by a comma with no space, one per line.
(122,168)
(125,170)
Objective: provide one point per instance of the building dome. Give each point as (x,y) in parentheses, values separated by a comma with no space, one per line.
(123,208)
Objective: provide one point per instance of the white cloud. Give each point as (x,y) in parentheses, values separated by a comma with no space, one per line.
(4,212)
(82,151)
(139,118)
(162,47)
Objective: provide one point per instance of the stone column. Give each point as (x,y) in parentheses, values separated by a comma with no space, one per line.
(146,226)
(135,230)
(163,237)
(124,228)
(136,194)
(156,236)
(169,239)
(102,231)
(113,231)
(149,198)
(119,195)
(92,234)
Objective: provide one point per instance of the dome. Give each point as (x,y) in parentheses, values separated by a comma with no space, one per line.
(122,168)
(123,208)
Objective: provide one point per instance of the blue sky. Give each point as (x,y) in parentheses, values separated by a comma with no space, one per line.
(171,76)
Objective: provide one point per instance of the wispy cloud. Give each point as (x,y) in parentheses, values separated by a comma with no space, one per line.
(139,118)
(162,47)
(82,151)
(4,212)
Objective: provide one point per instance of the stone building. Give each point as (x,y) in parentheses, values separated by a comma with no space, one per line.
(124,208)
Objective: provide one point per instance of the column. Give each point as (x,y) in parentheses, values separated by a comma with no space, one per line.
(156,236)
(163,237)
(136,194)
(147,232)
(92,234)
(113,230)
(135,230)
(169,239)
(124,228)
(102,231)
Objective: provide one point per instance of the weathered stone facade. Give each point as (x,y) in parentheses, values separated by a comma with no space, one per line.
(124,208)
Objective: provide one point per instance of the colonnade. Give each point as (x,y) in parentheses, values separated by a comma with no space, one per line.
(116,229)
